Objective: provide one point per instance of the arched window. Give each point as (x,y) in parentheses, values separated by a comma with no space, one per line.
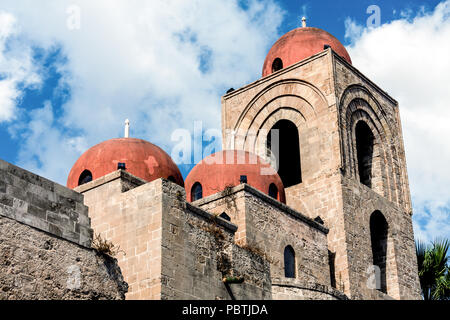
(277,65)
(273,191)
(379,237)
(283,141)
(85,177)
(364,151)
(196,191)
(289,262)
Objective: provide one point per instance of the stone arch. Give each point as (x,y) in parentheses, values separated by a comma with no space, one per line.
(356,104)
(290,99)
(294,93)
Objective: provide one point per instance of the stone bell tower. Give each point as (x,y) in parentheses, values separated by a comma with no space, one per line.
(340,157)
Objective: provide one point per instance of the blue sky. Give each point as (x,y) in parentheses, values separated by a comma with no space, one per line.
(66,86)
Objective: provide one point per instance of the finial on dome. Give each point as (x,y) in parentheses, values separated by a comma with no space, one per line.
(127,128)
(304,22)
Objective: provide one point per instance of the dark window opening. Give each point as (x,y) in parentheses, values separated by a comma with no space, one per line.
(277,65)
(289,262)
(121,166)
(85,177)
(243,179)
(223,215)
(364,150)
(287,152)
(331,262)
(379,237)
(318,219)
(196,192)
(273,191)
(171,178)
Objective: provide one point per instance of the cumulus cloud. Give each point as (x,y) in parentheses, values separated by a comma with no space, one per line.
(162,64)
(409,58)
(17,70)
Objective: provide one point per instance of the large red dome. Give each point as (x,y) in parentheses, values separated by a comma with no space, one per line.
(224,169)
(299,44)
(142,159)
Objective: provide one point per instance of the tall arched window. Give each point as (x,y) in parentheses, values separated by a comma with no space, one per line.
(364,151)
(283,141)
(277,65)
(379,237)
(273,191)
(289,262)
(85,177)
(196,191)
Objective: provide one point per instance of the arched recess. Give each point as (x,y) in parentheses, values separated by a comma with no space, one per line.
(283,141)
(379,243)
(196,191)
(356,104)
(289,262)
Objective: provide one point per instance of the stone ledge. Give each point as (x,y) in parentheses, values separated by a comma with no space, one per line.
(286,209)
(296,283)
(118,174)
(211,217)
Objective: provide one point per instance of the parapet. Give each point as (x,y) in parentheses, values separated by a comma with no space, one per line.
(44,205)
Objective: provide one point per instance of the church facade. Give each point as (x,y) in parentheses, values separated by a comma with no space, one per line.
(309,198)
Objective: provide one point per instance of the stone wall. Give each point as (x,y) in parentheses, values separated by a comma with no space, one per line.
(171,249)
(36,265)
(402,275)
(45,243)
(43,204)
(268,226)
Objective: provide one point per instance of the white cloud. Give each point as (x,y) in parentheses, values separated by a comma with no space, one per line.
(142,61)
(410,59)
(17,70)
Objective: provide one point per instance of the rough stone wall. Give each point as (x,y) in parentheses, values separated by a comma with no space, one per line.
(171,249)
(45,243)
(43,204)
(402,277)
(36,265)
(199,250)
(270,226)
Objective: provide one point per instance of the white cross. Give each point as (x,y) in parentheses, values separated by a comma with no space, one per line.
(127,128)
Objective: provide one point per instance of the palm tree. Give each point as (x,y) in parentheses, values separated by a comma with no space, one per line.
(434,273)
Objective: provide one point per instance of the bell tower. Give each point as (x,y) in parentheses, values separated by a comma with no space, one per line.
(339,152)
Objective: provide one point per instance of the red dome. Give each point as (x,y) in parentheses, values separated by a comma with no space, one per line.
(142,159)
(224,168)
(299,44)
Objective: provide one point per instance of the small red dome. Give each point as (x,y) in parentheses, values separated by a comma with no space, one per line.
(299,44)
(225,168)
(142,159)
